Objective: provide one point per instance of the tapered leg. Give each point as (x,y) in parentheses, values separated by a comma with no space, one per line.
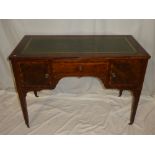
(120,92)
(136,96)
(22,97)
(35,93)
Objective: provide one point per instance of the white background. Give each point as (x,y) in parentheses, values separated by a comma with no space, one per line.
(66,9)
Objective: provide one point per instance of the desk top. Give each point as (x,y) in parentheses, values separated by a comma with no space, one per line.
(77,46)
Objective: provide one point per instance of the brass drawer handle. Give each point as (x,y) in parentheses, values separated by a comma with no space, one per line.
(113,75)
(46,76)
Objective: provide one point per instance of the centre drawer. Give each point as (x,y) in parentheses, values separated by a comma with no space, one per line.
(86,68)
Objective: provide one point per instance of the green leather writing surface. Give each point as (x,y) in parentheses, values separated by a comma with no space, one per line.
(101,44)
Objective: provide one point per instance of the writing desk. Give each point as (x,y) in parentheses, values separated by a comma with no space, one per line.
(39,62)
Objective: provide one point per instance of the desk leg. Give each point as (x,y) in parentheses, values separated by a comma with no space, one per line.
(120,92)
(22,97)
(35,93)
(136,96)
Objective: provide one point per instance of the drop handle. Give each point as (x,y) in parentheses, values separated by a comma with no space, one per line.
(113,74)
(46,75)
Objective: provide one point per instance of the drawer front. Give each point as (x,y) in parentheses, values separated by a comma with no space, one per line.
(126,72)
(34,73)
(79,68)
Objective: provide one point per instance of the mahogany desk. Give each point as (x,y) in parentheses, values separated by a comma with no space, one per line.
(39,62)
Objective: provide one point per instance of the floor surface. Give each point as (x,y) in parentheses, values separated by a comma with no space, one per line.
(83,112)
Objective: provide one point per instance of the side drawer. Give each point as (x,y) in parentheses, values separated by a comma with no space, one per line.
(35,73)
(126,72)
